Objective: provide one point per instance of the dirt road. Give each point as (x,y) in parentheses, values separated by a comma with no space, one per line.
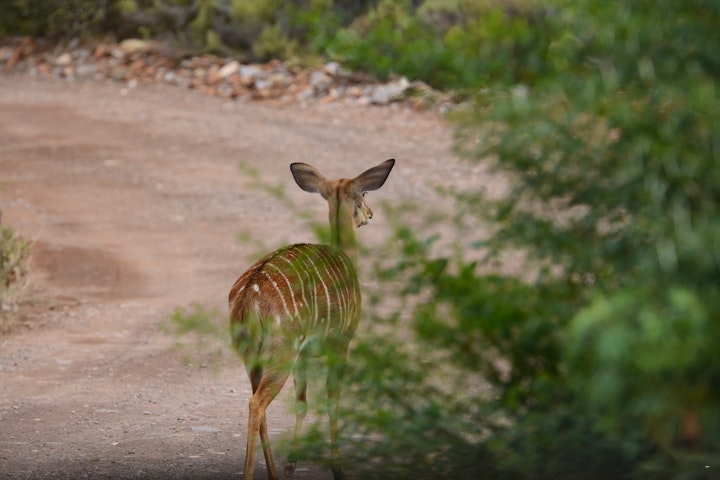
(134,200)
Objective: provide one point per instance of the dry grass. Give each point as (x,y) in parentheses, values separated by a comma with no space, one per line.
(14,252)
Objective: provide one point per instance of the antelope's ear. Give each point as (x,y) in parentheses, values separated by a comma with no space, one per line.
(373,178)
(309,179)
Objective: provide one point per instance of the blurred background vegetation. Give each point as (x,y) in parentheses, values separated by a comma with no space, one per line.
(600,361)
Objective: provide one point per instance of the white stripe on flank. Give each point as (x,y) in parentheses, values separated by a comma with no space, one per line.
(274,283)
(312,288)
(315,301)
(342,303)
(327,291)
(289,285)
(350,272)
(301,276)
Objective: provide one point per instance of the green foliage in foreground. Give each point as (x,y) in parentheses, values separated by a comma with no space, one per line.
(600,362)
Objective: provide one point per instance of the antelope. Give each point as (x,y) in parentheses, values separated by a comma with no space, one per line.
(299,301)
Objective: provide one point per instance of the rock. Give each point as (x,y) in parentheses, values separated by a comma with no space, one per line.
(133,45)
(25,49)
(63,60)
(250,75)
(263,84)
(320,81)
(169,77)
(140,62)
(117,53)
(81,54)
(5,54)
(85,70)
(354,91)
(305,95)
(101,51)
(279,79)
(332,69)
(44,68)
(119,74)
(226,91)
(229,68)
(213,75)
(390,92)
(250,71)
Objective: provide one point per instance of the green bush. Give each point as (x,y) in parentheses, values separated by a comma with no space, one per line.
(599,362)
(58,18)
(448,44)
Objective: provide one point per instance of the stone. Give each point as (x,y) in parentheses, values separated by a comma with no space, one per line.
(320,81)
(250,71)
(332,69)
(305,95)
(229,68)
(85,70)
(63,60)
(141,62)
(133,45)
(390,92)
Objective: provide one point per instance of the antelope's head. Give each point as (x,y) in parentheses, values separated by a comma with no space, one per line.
(344,196)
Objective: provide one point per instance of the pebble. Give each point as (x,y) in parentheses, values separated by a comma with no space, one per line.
(229,68)
(391,92)
(250,71)
(320,81)
(85,70)
(132,45)
(63,60)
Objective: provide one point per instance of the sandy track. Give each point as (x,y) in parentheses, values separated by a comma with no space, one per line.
(134,199)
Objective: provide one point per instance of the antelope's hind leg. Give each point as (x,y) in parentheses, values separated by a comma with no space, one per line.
(336,369)
(300,380)
(266,384)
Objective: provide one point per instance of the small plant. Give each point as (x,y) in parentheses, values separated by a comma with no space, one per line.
(207,329)
(14,252)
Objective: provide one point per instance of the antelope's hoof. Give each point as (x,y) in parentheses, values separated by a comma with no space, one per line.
(290,470)
(338,473)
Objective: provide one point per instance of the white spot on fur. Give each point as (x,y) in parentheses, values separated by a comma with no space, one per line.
(255,287)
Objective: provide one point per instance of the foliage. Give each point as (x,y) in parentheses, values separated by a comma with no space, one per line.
(57,18)
(622,145)
(448,44)
(206,327)
(599,362)
(14,252)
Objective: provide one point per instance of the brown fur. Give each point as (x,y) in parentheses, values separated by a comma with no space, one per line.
(299,294)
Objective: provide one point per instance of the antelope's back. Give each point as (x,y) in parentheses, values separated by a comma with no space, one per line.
(304,288)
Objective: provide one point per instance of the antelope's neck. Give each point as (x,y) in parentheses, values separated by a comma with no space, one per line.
(342,229)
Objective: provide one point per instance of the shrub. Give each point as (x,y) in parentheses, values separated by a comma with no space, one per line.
(461,45)
(58,18)
(599,362)
(14,253)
